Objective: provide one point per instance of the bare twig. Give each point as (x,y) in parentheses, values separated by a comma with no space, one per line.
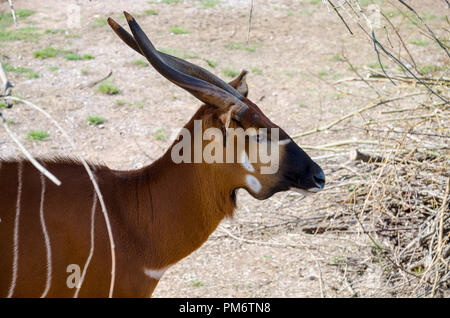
(13,12)
(250,21)
(402,65)
(377,102)
(7,86)
(340,16)
(356,155)
(378,57)
(428,28)
(100,80)
(33,161)
(401,40)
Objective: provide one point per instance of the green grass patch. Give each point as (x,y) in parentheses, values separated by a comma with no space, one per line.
(336,76)
(107,87)
(419,270)
(338,260)
(392,13)
(209,3)
(22,34)
(55,31)
(6,19)
(121,102)
(96,120)
(23,13)
(256,70)
(429,69)
(375,65)
(419,42)
(38,135)
(427,16)
(301,104)
(240,46)
(2,105)
(196,283)
(304,11)
(72,56)
(46,53)
(322,73)
(412,19)
(50,52)
(170,1)
(53,68)
(212,63)
(230,72)
(140,63)
(289,73)
(444,40)
(99,22)
(336,58)
(338,95)
(139,104)
(84,72)
(178,30)
(160,134)
(365,3)
(150,12)
(29,73)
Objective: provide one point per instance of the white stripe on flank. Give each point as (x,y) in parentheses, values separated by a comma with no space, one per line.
(16,231)
(91,252)
(155,273)
(47,240)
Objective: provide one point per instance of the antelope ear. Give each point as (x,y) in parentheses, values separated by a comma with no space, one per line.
(240,84)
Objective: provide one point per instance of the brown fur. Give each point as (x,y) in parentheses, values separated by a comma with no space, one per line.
(159,214)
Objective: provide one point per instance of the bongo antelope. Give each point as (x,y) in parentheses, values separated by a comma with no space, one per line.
(159,214)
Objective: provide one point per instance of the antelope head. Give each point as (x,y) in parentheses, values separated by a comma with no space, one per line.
(266,160)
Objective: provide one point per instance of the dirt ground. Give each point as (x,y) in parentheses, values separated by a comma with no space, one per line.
(267,249)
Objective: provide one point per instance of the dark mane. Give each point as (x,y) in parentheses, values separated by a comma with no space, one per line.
(56,161)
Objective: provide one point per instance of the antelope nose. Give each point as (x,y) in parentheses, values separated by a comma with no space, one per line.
(319,179)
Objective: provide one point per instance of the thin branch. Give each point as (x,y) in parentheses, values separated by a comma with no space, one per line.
(340,17)
(354,70)
(33,161)
(7,86)
(402,65)
(378,57)
(428,28)
(401,40)
(13,12)
(250,21)
(379,101)
(100,80)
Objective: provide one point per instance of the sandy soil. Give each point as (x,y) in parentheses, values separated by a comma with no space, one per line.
(292,44)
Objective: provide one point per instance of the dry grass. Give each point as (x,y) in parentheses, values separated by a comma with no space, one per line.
(397,177)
